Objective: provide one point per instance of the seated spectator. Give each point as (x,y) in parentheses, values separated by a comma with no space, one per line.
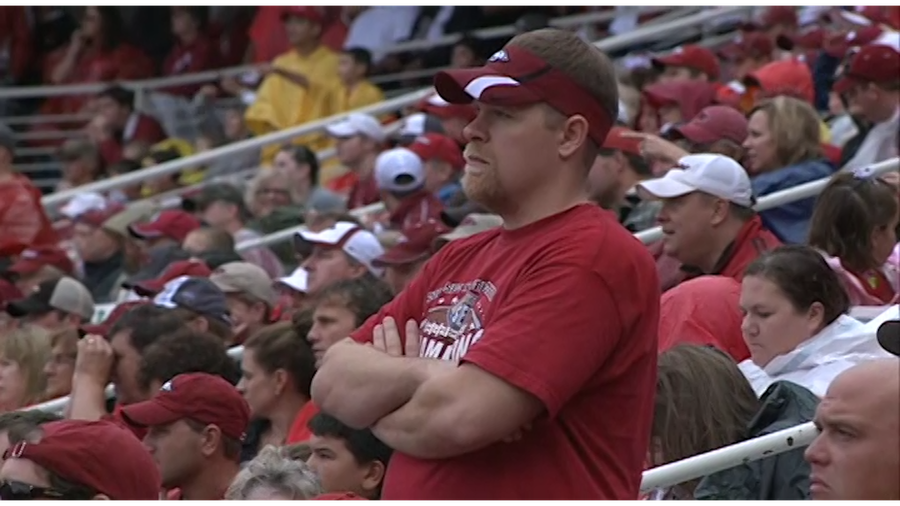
(343,307)
(443,164)
(80,164)
(117,225)
(468,51)
(55,304)
(471,224)
(272,476)
(400,177)
(165,229)
(36,265)
(795,322)
(617,170)
(746,55)
(453,117)
(195,424)
(416,125)
(871,86)
(301,166)
(347,459)
(200,304)
(250,296)
(16,425)
(356,90)
(60,365)
(193,51)
(277,370)
(222,206)
(359,140)
(715,129)
(783,151)
(118,123)
(854,224)
(666,104)
(152,287)
(23,220)
(707,218)
(299,85)
(704,310)
(125,166)
(23,353)
(403,261)
(102,253)
(688,63)
(207,239)
(80,460)
(98,51)
(852,458)
(703,403)
(293,290)
(343,251)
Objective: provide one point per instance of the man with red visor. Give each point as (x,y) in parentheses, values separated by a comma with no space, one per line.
(527,364)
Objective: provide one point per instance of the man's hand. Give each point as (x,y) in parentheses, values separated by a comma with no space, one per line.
(95,359)
(386,338)
(655,148)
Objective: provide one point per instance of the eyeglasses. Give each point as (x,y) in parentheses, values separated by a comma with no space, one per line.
(19,491)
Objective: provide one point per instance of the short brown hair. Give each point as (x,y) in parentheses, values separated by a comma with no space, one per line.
(586,65)
(185,351)
(278,346)
(795,129)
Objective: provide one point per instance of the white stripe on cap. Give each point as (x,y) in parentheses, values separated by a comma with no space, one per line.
(166,297)
(480,84)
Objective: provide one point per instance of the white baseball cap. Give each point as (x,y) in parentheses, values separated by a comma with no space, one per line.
(399,170)
(716,175)
(297,281)
(354,240)
(357,124)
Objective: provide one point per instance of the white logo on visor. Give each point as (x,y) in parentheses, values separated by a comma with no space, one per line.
(499,56)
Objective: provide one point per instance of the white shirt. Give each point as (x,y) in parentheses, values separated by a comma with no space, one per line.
(377,28)
(879,145)
(817,361)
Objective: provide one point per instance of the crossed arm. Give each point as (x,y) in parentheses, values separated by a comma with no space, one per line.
(421,407)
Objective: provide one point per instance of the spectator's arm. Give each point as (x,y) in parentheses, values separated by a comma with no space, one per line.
(63,70)
(92,371)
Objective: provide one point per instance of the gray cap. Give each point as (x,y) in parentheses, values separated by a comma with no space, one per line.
(245,278)
(134,213)
(199,295)
(63,294)
(7,138)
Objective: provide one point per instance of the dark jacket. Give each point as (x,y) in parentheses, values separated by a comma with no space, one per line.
(790,222)
(781,477)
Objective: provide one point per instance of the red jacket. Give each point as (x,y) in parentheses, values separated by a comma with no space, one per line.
(23,222)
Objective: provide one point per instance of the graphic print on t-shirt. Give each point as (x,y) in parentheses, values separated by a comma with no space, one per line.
(454,319)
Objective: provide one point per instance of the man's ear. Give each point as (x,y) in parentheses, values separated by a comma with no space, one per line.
(373,477)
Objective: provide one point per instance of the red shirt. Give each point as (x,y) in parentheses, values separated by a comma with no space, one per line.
(753,240)
(567,309)
(876,284)
(417,209)
(299,432)
(23,220)
(140,127)
(363,193)
(198,56)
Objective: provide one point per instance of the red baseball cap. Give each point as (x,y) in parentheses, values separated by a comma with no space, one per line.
(749,45)
(338,496)
(780,15)
(151,287)
(715,123)
(616,140)
(174,224)
(201,397)
(102,328)
(872,64)
(437,146)
(514,77)
(32,259)
(693,57)
(313,14)
(415,244)
(97,217)
(101,455)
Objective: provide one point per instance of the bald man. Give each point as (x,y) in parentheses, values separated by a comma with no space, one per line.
(856,455)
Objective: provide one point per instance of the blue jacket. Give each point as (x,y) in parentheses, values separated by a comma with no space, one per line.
(790,222)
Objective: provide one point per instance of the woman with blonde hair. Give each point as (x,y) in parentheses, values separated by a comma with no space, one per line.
(703,403)
(784,150)
(23,354)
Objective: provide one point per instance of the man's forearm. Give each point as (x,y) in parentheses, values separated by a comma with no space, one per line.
(87,400)
(360,397)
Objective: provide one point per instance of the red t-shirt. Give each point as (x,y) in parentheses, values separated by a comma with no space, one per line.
(417,209)
(363,193)
(200,55)
(299,432)
(567,309)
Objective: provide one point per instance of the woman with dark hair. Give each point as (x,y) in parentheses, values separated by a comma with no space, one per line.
(795,322)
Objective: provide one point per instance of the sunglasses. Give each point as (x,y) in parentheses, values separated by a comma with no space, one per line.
(19,491)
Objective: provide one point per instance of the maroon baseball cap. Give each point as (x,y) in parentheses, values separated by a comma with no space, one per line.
(715,123)
(151,287)
(780,15)
(313,14)
(618,141)
(749,45)
(432,146)
(415,244)
(693,57)
(101,455)
(174,224)
(872,64)
(97,217)
(102,328)
(515,77)
(32,259)
(201,397)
